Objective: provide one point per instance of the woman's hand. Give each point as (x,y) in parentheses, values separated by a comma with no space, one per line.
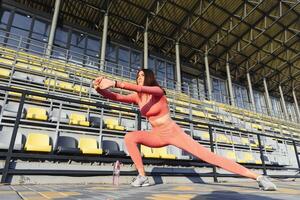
(103,83)
(97,81)
(106,83)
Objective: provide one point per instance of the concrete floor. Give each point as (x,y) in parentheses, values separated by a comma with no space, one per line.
(209,191)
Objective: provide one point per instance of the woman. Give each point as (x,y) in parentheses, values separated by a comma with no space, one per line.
(153,104)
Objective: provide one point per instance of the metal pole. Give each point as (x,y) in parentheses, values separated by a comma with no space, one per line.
(297,154)
(229,82)
(296,105)
(12,140)
(53,28)
(268,101)
(104,38)
(251,91)
(178,75)
(211,142)
(146,45)
(283,103)
(208,83)
(261,155)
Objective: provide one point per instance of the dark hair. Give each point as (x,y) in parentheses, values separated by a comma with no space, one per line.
(150,79)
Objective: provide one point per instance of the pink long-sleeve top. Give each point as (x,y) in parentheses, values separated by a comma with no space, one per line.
(150,99)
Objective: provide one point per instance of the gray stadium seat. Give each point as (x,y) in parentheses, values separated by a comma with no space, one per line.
(11,110)
(112,148)
(55,114)
(67,145)
(5,138)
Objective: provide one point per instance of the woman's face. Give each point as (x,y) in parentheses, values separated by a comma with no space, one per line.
(141,78)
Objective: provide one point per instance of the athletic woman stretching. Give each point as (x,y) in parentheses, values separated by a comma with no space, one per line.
(152,102)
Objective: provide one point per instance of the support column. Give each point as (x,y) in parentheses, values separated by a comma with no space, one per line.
(53,28)
(253,106)
(283,103)
(231,95)
(104,39)
(178,75)
(268,100)
(146,45)
(296,105)
(208,82)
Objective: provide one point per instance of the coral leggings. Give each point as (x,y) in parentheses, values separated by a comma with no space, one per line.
(171,134)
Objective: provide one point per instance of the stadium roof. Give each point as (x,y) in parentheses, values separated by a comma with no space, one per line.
(259,36)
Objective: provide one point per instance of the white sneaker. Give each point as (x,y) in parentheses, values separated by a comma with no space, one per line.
(265,184)
(140,181)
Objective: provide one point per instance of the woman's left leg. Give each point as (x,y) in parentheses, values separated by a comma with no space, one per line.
(181,140)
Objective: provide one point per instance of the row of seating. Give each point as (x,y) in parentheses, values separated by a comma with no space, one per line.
(71,118)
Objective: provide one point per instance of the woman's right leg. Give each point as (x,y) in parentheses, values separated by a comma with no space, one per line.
(147,138)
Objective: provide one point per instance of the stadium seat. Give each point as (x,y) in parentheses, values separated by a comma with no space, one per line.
(82,89)
(147,152)
(245,141)
(245,157)
(112,148)
(78,119)
(51,83)
(6,61)
(11,110)
(198,113)
(96,121)
(67,145)
(89,146)
(223,138)
(231,155)
(36,113)
(204,136)
(38,142)
(162,152)
(113,124)
(20,76)
(4,73)
(5,138)
(66,86)
(55,116)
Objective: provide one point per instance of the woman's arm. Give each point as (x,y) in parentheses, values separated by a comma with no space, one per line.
(154,90)
(130,98)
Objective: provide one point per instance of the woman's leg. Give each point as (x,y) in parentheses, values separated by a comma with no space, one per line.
(147,138)
(181,140)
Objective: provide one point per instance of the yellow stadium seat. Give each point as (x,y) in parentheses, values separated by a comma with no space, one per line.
(198,113)
(4,73)
(231,155)
(66,86)
(257,126)
(78,119)
(245,141)
(22,65)
(6,61)
(35,68)
(147,152)
(36,113)
(205,136)
(51,83)
(246,158)
(89,146)
(113,124)
(162,152)
(56,73)
(38,98)
(223,138)
(38,142)
(78,88)
(181,110)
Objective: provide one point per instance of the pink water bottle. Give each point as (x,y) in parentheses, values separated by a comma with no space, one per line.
(116,172)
